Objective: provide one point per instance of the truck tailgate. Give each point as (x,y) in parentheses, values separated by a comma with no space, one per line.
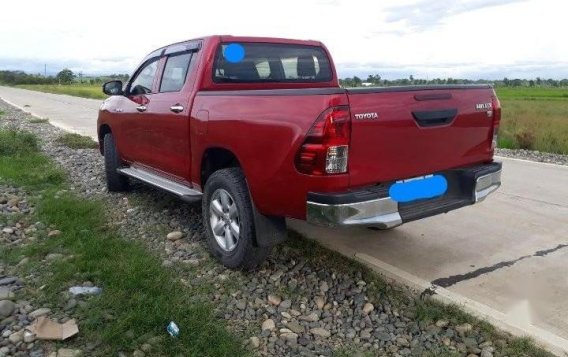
(399,133)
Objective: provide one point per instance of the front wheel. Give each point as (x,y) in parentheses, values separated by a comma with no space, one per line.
(115,181)
(229,220)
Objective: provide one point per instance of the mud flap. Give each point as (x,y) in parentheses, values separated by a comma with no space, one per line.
(270,230)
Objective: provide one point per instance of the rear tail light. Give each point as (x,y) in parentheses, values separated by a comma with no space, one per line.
(496,116)
(326,148)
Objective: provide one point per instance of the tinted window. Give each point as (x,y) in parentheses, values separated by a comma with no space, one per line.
(267,62)
(142,83)
(175,73)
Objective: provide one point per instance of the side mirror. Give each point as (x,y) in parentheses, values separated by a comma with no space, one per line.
(113,88)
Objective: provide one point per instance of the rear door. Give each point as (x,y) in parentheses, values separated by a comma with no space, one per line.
(401,133)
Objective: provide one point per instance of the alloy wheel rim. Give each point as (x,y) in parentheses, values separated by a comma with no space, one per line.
(224,220)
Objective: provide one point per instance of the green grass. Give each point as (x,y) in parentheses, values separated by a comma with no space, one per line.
(39,121)
(139,296)
(532,93)
(77,90)
(77,141)
(1,113)
(534,124)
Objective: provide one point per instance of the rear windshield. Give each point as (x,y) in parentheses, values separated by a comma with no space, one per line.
(270,63)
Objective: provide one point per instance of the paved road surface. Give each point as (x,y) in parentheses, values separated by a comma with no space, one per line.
(77,115)
(509,252)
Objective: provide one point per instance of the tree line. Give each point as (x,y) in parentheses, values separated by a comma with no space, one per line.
(65,77)
(377,80)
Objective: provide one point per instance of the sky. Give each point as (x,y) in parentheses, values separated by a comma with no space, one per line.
(489,39)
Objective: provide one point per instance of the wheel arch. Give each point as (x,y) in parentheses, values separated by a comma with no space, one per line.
(103,130)
(214,159)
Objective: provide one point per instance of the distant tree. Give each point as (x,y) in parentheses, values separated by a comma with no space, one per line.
(531,83)
(66,76)
(411,78)
(357,81)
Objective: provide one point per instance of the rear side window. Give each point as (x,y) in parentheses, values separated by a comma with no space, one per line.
(175,72)
(270,63)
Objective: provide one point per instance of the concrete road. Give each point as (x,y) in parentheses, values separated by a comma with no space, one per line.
(509,253)
(77,115)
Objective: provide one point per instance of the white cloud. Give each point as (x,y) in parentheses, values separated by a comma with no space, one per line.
(426,38)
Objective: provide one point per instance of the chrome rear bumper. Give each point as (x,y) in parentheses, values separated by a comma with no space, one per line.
(469,186)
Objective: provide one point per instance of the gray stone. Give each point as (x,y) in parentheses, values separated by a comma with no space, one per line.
(384,336)
(312,317)
(8,281)
(464,329)
(173,236)
(367,308)
(6,294)
(6,308)
(16,337)
(68,352)
(39,312)
(274,300)
(54,233)
(442,323)
(255,342)
(268,325)
(284,305)
(320,332)
(295,327)
(29,337)
(320,302)
(53,256)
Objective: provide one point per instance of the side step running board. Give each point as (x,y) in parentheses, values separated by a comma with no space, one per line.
(178,189)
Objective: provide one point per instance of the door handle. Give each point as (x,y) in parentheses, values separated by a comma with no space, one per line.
(141,108)
(178,108)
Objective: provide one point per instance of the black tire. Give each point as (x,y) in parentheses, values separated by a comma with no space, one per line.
(115,181)
(245,255)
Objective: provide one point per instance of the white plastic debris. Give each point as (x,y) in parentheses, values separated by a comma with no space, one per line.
(85,290)
(172,329)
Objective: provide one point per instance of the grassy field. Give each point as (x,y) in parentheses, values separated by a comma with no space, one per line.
(77,90)
(139,296)
(534,119)
(534,93)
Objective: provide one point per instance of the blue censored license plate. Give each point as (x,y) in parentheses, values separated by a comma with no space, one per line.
(418,188)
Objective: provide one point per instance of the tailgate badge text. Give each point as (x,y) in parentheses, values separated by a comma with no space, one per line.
(367,116)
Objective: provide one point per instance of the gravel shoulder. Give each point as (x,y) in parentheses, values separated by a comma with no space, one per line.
(531,155)
(303,301)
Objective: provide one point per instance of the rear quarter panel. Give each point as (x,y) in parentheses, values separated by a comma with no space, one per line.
(264,132)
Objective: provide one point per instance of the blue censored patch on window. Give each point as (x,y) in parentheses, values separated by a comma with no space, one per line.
(234,53)
(420,188)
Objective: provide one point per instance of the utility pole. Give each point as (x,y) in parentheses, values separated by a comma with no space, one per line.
(45,70)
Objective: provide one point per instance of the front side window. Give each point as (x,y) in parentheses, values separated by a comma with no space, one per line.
(175,72)
(270,63)
(144,79)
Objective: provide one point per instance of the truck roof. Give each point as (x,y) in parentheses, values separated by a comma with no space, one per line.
(230,38)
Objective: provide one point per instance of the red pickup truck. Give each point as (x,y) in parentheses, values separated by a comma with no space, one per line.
(259,129)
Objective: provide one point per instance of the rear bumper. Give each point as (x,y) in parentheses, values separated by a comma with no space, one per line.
(373,207)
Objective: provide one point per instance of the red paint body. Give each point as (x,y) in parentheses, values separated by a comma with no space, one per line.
(264,131)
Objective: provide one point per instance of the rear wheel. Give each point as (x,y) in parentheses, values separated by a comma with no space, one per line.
(115,181)
(229,221)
